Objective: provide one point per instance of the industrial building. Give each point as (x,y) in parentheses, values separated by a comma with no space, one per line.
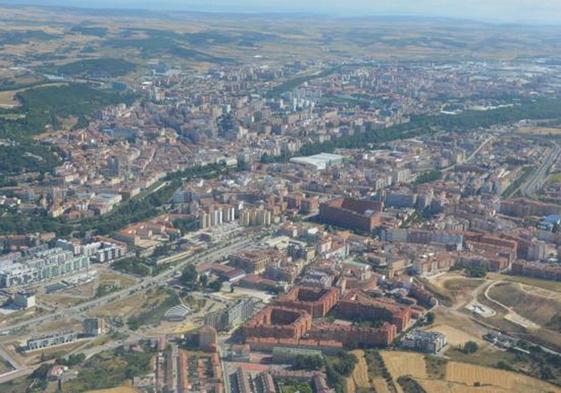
(318,161)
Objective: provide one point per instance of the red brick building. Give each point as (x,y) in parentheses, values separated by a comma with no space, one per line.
(358,306)
(316,301)
(278,322)
(362,215)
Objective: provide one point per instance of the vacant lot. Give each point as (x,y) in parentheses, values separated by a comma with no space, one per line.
(554,286)
(454,336)
(454,288)
(540,307)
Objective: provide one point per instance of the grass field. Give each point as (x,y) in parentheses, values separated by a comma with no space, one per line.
(120,389)
(539,130)
(535,307)
(554,286)
(554,178)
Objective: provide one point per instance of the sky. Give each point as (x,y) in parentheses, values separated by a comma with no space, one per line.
(533,11)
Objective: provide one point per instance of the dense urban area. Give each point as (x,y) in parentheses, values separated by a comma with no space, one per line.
(188,207)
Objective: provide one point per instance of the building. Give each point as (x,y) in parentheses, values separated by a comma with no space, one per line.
(356,306)
(316,301)
(41,266)
(233,315)
(24,300)
(95,327)
(34,344)
(427,342)
(361,215)
(318,161)
(207,338)
(278,322)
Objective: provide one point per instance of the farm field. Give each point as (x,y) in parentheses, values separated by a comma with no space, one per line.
(436,375)
(360,373)
(405,363)
(469,374)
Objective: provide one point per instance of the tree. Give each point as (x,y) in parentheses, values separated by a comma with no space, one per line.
(203,279)
(190,277)
(470,347)
(429,317)
(216,285)
(307,362)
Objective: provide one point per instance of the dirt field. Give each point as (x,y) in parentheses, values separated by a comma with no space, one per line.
(123,308)
(454,288)
(8,99)
(454,336)
(554,286)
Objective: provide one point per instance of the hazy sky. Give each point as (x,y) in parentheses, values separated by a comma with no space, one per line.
(491,10)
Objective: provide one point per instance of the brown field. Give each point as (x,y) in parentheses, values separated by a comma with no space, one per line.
(454,288)
(405,363)
(435,386)
(554,286)
(8,99)
(123,308)
(380,386)
(458,377)
(469,374)
(360,373)
(537,308)
(540,130)
(454,336)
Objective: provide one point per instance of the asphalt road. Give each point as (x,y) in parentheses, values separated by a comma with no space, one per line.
(539,176)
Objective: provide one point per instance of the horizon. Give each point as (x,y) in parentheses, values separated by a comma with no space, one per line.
(547,12)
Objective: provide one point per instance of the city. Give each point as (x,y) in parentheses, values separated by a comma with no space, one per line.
(257,204)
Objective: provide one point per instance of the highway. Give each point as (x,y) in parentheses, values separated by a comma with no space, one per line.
(539,176)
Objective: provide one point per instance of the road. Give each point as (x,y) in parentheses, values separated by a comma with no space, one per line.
(472,155)
(539,176)
(143,284)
